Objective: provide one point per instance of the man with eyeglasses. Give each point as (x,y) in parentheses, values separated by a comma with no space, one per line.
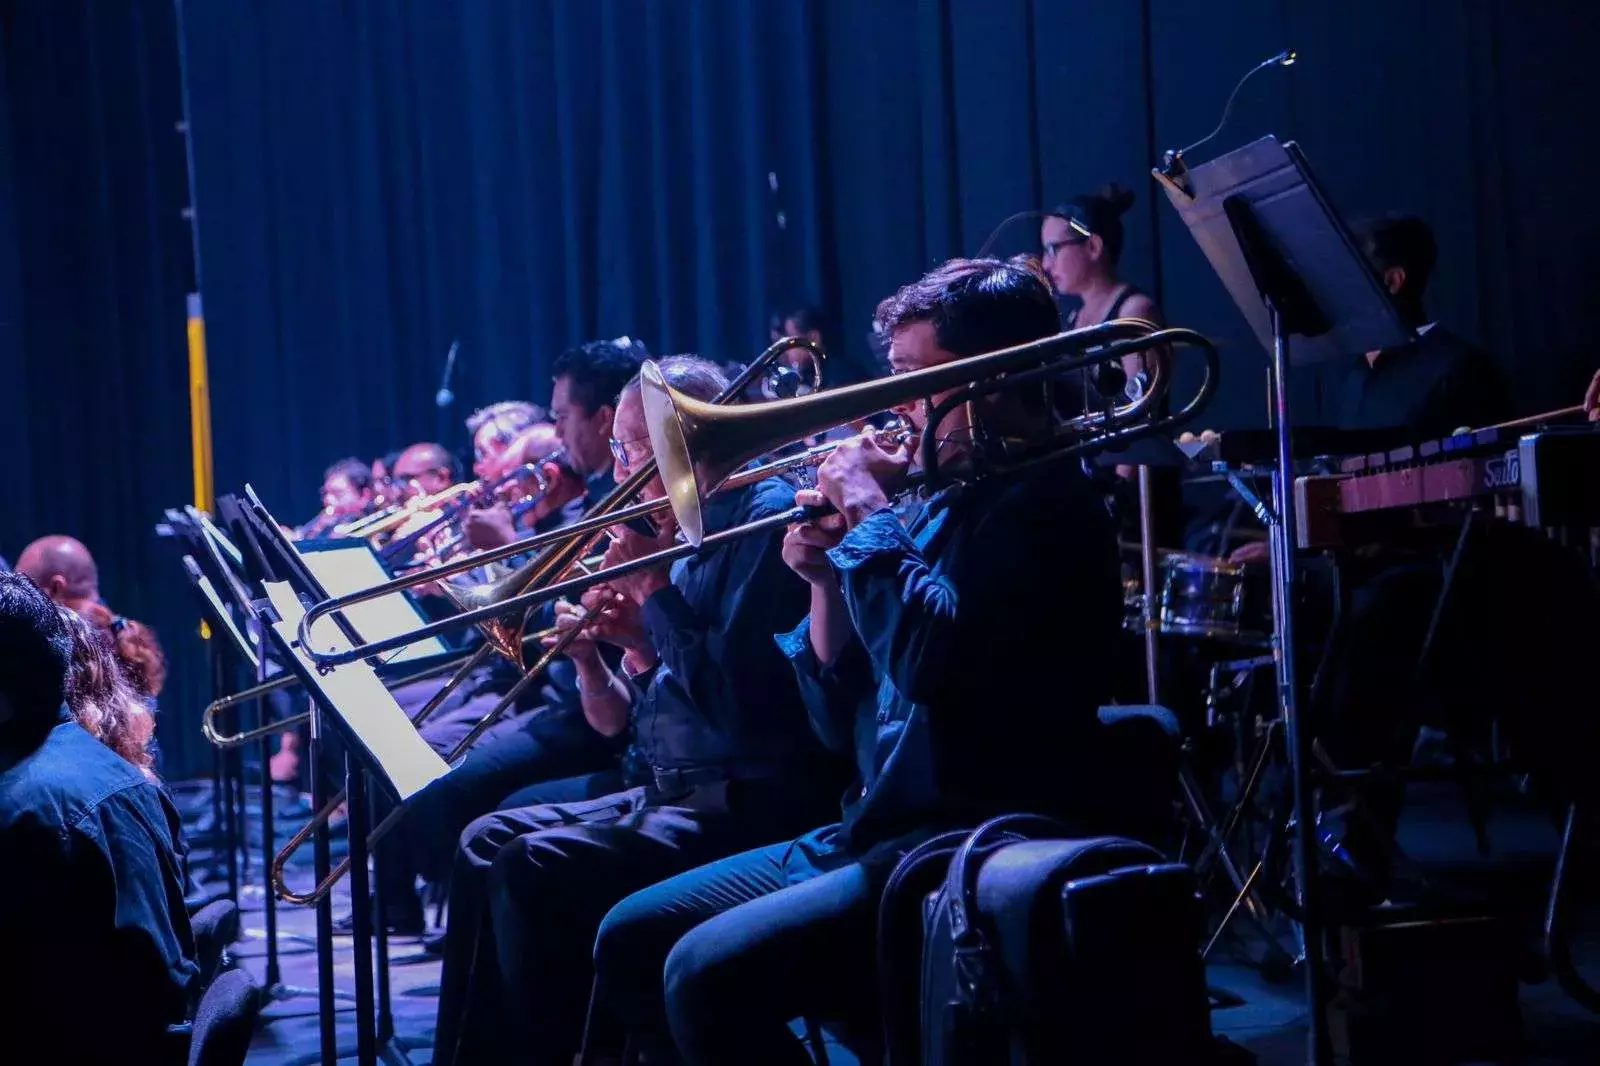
(723,760)
(545,737)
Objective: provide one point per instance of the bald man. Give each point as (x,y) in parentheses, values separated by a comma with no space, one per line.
(429,466)
(64,569)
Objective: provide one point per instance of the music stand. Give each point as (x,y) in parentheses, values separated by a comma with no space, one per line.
(1299,279)
(379,743)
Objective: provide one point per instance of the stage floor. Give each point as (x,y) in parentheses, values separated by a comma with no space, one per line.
(1270,1022)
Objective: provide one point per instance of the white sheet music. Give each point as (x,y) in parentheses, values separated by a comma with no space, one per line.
(354,568)
(358,697)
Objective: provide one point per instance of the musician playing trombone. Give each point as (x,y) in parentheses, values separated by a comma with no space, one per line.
(723,761)
(960,657)
(548,738)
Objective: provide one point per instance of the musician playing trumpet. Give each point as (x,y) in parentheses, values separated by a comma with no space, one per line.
(523,504)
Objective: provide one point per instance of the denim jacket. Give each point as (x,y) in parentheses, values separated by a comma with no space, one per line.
(984,635)
(92,916)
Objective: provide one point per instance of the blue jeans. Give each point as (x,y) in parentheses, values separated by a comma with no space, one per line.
(722,958)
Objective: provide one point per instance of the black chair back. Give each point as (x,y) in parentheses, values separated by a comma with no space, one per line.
(225,1021)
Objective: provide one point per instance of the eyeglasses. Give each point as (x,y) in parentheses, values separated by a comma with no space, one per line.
(496,444)
(619,450)
(1080,233)
(1053,248)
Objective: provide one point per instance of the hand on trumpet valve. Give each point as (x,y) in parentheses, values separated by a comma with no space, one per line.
(627,545)
(1591,398)
(805,544)
(489,527)
(561,487)
(860,477)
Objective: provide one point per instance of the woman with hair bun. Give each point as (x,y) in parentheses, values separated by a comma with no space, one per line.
(1082,240)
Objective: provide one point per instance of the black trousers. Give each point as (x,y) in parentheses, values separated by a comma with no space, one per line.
(530,887)
(522,751)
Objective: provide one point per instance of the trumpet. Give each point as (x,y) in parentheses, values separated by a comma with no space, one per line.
(392,517)
(478,493)
(700,447)
(564,552)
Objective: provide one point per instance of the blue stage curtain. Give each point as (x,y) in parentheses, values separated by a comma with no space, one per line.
(379,179)
(94,265)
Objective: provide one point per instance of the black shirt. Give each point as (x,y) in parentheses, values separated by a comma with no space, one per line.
(722,695)
(1431,387)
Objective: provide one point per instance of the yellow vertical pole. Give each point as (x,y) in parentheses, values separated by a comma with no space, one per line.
(200,408)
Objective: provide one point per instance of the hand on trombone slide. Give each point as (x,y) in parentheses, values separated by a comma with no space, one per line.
(626,546)
(859,478)
(605,616)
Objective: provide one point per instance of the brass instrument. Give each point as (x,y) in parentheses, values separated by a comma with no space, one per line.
(566,550)
(213,733)
(392,518)
(478,493)
(488,594)
(686,434)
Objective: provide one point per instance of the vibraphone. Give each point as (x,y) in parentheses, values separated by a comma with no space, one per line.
(1549,478)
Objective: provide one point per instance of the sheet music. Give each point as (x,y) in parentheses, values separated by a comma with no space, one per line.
(355,693)
(344,568)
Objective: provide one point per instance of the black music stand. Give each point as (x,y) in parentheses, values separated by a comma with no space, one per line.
(1299,279)
(226,560)
(221,618)
(380,745)
(226,799)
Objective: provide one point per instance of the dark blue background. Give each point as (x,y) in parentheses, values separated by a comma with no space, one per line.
(378,179)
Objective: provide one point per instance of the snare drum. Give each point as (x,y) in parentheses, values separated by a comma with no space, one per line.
(1202,596)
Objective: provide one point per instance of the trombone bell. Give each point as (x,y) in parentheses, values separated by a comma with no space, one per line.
(672,425)
(686,433)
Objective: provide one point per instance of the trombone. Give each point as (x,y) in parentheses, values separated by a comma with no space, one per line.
(574,543)
(697,442)
(213,732)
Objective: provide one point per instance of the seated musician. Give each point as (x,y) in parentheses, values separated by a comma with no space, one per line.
(1438,383)
(960,657)
(425,469)
(523,505)
(548,738)
(91,901)
(346,496)
(493,428)
(726,763)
